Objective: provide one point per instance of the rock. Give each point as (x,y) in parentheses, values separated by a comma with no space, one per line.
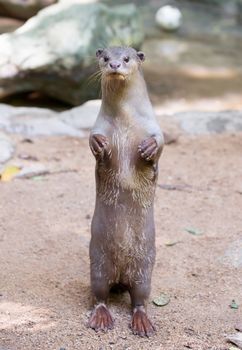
(6,148)
(168,18)
(31,121)
(210,122)
(54,52)
(6,112)
(82,117)
(22,9)
(29,126)
(235,339)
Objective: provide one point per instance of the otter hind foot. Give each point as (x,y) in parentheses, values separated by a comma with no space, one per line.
(148,148)
(141,325)
(101,319)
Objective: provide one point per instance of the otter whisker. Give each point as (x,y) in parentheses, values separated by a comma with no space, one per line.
(95,77)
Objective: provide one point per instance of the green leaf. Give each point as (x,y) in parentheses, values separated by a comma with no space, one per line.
(234,305)
(171,243)
(38,178)
(161,300)
(194,231)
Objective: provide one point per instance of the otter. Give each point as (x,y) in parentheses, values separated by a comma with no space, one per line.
(127,143)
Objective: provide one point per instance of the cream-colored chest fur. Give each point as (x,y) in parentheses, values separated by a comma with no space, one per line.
(125,143)
(123,172)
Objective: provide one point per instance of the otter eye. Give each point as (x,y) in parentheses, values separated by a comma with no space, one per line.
(105,58)
(126,59)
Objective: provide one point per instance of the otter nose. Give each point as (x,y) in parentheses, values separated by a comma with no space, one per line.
(115,64)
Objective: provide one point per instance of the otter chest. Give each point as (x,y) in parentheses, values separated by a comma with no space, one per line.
(125,177)
(124,145)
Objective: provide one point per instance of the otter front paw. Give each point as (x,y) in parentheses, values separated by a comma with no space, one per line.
(148,148)
(98,144)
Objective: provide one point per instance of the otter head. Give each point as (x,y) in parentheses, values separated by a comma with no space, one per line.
(119,63)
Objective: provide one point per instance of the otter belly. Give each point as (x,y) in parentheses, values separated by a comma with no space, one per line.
(123,222)
(125,237)
(131,188)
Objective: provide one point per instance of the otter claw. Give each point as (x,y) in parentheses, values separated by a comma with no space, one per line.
(148,148)
(101,319)
(98,143)
(141,325)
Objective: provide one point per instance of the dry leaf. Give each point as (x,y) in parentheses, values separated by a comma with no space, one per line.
(9,173)
(171,243)
(161,300)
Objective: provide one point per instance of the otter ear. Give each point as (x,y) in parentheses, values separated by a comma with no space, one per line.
(141,56)
(99,52)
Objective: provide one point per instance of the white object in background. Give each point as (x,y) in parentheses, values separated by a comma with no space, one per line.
(168,17)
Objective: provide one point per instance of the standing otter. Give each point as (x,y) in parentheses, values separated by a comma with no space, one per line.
(126,142)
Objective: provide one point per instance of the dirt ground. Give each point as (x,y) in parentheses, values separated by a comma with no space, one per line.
(45,233)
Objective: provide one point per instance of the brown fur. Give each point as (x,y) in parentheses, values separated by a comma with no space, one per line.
(127,143)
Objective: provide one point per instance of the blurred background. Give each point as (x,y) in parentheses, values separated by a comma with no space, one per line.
(49,100)
(194,63)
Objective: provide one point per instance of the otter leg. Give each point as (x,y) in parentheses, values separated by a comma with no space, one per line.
(140,325)
(100,319)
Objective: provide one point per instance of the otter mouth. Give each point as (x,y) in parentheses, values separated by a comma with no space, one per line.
(116,75)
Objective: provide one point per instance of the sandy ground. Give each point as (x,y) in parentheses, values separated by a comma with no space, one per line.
(45,233)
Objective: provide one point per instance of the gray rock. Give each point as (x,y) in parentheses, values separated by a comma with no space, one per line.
(22,9)
(34,122)
(235,339)
(210,122)
(30,121)
(54,52)
(6,112)
(6,148)
(82,117)
(30,126)
(9,115)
